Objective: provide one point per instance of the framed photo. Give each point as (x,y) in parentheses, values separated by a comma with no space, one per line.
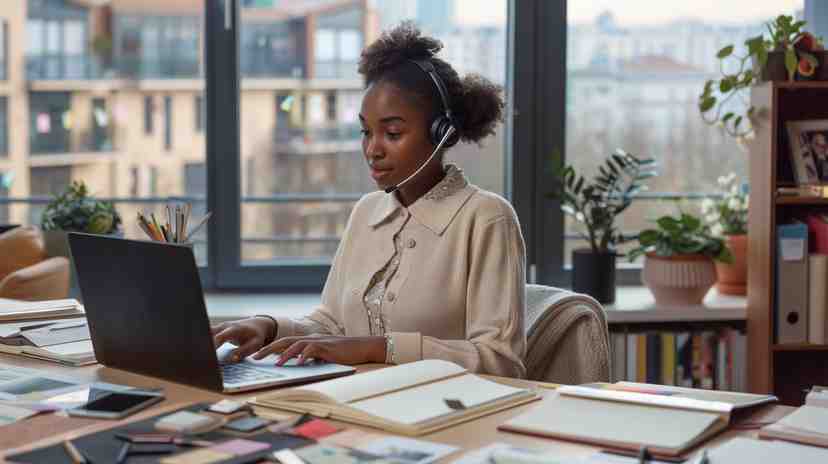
(809,150)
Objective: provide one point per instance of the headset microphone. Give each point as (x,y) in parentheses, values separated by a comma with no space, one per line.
(448,134)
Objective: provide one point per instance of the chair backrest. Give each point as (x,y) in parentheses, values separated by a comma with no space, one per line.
(567,340)
(20,247)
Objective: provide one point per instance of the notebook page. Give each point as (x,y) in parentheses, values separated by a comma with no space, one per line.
(808,418)
(426,402)
(376,382)
(608,421)
(748,451)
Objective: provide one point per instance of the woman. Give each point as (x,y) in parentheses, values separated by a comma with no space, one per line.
(430,267)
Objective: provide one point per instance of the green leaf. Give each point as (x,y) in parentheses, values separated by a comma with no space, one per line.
(708,87)
(790,62)
(706,104)
(726,85)
(737,121)
(748,79)
(725,52)
(762,57)
(668,223)
(579,185)
(727,116)
(755,44)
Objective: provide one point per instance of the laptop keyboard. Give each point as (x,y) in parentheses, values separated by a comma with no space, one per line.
(241,373)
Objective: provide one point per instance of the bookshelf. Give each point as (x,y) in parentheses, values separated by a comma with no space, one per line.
(782,369)
(700,346)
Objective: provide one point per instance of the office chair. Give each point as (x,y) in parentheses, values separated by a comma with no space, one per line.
(567,340)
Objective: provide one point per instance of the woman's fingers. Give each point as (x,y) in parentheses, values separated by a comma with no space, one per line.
(312,350)
(218,328)
(247,349)
(232,333)
(291,352)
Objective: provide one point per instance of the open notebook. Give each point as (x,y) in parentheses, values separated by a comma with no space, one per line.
(410,399)
(666,424)
(808,424)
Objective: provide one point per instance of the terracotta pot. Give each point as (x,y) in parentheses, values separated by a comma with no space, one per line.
(732,278)
(678,280)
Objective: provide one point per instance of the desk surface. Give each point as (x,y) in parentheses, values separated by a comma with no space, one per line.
(50,428)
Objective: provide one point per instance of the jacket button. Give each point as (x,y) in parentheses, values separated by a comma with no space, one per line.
(412,243)
(391,296)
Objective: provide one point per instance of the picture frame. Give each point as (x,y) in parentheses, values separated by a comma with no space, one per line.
(808,140)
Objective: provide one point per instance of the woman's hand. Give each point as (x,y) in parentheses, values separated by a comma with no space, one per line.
(335,349)
(248,335)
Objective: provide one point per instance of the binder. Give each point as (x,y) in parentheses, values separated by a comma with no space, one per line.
(791,309)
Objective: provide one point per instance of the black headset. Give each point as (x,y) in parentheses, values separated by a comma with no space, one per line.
(441,124)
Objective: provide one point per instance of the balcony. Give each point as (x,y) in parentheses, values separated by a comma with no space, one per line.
(90,67)
(66,142)
(66,67)
(251,67)
(318,140)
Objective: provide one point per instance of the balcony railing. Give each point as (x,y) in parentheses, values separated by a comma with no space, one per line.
(334,133)
(64,142)
(90,67)
(65,67)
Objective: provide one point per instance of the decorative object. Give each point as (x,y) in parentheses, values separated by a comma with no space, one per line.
(789,53)
(75,211)
(595,204)
(679,255)
(808,142)
(727,217)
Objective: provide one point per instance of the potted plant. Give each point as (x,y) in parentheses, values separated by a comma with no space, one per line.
(789,53)
(679,255)
(75,211)
(596,204)
(727,217)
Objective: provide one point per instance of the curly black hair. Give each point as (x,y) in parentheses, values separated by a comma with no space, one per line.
(476,102)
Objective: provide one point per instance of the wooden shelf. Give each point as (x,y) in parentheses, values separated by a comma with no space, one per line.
(636,305)
(808,201)
(798,347)
(802,85)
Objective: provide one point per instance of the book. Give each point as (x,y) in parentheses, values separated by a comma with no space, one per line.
(817,297)
(410,399)
(15,310)
(746,450)
(79,353)
(668,422)
(791,308)
(807,425)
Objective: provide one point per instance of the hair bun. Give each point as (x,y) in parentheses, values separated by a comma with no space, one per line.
(395,46)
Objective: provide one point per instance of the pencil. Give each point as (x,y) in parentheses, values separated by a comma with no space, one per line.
(188,209)
(76,456)
(142,224)
(199,225)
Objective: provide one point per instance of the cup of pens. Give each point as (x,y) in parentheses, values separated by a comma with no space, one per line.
(176,227)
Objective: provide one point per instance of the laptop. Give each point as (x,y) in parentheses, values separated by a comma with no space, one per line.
(146,314)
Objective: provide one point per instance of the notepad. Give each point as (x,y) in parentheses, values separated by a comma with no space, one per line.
(667,425)
(408,399)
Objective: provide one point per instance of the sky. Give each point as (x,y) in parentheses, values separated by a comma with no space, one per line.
(629,12)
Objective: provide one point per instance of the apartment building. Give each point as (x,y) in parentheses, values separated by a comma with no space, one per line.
(111,92)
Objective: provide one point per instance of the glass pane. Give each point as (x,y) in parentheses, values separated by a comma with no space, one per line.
(97,120)
(634,75)
(302,166)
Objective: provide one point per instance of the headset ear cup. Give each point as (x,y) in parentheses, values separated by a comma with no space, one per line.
(438,130)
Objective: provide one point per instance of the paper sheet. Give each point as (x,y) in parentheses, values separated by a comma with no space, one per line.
(808,418)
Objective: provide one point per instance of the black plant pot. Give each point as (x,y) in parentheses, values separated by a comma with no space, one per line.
(594,274)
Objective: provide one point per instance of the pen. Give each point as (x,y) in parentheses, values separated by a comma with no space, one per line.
(76,455)
(198,226)
(643,456)
(122,455)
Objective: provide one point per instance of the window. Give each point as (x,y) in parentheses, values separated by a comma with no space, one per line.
(149,115)
(302,160)
(58,44)
(4,50)
(50,123)
(634,73)
(4,127)
(168,122)
(100,140)
(158,46)
(5,185)
(199,113)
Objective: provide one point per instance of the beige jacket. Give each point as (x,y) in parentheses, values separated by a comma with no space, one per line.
(458,294)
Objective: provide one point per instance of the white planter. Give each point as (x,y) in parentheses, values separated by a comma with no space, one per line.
(679,280)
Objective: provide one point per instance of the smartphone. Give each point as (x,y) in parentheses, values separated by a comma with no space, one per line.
(117,405)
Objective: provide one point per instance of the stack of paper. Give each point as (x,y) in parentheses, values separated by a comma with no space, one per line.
(746,450)
(16,310)
(53,330)
(808,424)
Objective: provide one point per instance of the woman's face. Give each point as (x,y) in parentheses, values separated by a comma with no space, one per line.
(395,140)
